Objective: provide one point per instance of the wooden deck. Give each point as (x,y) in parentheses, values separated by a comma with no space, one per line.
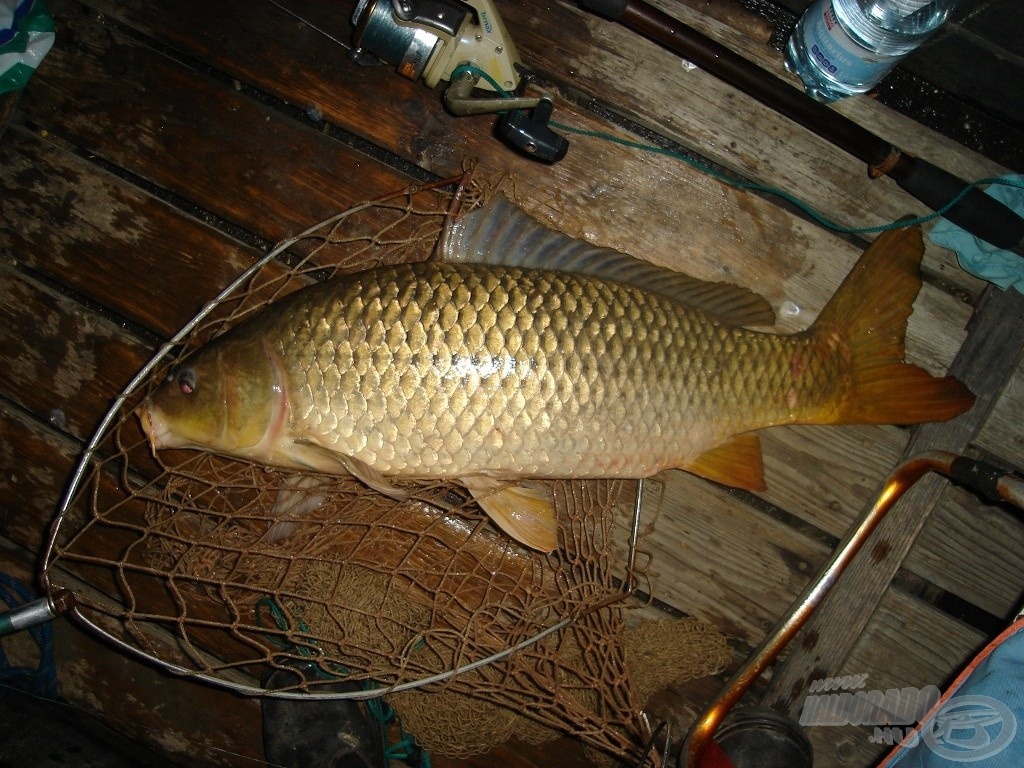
(162,147)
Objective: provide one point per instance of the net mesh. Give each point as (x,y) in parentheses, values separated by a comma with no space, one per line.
(224,569)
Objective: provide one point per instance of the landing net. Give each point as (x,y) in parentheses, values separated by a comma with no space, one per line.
(224,570)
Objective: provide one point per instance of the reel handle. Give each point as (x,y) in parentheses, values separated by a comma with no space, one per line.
(530,133)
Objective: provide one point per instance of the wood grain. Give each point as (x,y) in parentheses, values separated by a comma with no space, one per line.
(722,124)
(907,643)
(161,147)
(651,206)
(64,362)
(107,240)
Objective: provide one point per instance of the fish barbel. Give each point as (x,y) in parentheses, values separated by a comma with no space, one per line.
(490,373)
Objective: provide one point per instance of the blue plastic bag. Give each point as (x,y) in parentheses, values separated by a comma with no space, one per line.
(977,724)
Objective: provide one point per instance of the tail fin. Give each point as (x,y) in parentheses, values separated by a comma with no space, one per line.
(869,313)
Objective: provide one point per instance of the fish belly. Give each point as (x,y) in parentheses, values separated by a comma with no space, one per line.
(440,370)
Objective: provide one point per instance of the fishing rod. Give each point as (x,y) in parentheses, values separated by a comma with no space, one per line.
(976,212)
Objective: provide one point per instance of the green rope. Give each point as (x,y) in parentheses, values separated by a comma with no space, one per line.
(406,748)
(751,186)
(282,624)
(477,72)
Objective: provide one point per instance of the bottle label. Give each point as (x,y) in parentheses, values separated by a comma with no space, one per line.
(837,54)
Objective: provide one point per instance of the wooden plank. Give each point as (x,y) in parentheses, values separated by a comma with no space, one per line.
(722,561)
(618,68)
(975,551)
(758,243)
(172,29)
(1001,436)
(734,15)
(8,102)
(985,361)
(985,542)
(39,462)
(825,475)
(648,205)
(753,246)
(107,240)
(741,569)
(65,363)
(897,649)
(202,140)
(605,63)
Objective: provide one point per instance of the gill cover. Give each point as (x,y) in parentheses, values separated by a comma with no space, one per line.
(227,397)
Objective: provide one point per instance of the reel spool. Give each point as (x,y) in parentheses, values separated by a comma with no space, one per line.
(455,41)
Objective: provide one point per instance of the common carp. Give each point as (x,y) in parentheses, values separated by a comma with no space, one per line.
(495,374)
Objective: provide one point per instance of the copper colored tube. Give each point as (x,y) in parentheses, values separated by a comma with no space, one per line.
(898,483)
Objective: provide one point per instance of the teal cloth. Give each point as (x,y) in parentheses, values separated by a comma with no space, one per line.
(1002,268)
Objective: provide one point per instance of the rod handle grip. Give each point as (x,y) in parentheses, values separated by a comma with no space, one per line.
(978,213)
(612,9)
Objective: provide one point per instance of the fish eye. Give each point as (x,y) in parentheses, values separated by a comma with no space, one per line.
(186,378)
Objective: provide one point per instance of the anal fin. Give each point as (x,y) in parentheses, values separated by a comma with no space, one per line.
(736,462)
(524,512)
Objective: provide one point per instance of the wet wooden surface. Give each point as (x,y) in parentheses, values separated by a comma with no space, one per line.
(162,147)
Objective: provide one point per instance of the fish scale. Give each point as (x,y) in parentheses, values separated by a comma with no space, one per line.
(455,369)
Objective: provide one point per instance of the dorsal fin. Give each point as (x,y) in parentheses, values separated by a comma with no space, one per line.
(501,233)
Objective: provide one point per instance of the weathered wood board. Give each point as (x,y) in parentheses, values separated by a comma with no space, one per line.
(162,147)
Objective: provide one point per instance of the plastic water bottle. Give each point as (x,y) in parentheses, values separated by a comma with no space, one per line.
(843,47)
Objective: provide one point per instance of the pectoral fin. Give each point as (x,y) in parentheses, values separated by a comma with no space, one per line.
(737,463)
(320,459)
(526,513)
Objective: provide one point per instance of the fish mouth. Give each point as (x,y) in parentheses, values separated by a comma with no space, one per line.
(154,427)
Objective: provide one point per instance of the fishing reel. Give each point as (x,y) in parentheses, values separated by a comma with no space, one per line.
(466,44)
